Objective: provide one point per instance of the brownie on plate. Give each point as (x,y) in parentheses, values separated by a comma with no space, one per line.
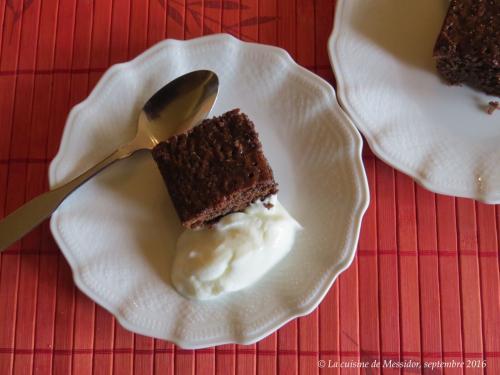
(468,47)
(215,168)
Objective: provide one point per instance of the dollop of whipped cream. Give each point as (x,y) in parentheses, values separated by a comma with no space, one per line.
(235,252)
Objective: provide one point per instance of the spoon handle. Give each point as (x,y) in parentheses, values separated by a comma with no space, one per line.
(32,213)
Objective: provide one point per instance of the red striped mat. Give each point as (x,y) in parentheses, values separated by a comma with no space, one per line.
(423,289)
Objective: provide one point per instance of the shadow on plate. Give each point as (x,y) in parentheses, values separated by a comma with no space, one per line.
(405,29)
(150,215)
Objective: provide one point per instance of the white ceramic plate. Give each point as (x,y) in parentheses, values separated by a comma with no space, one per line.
(440,135)
(118,231)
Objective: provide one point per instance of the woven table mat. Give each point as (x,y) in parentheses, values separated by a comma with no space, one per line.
(424,287)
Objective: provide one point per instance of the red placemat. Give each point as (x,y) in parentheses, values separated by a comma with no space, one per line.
(424,287)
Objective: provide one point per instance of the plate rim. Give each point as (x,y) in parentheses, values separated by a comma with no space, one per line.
(360,202)
(488,197)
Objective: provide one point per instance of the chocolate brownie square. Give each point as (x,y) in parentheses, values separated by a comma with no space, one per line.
(215,168)
(468,47)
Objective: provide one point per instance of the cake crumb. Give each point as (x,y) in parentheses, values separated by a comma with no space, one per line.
(492,107)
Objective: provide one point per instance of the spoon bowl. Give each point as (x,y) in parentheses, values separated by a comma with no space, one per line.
(177,107)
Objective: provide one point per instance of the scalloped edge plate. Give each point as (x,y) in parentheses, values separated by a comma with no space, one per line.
(451,147)
(66,163)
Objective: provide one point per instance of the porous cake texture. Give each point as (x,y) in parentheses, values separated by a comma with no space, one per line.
(468,47)
(216,168)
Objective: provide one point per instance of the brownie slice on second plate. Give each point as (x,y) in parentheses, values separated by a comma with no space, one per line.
(467,49)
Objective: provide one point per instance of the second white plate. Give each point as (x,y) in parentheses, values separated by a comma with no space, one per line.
(440,135)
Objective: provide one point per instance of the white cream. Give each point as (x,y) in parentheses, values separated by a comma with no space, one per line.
(235,253)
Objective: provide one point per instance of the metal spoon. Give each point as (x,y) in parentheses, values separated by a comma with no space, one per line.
(175,108)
